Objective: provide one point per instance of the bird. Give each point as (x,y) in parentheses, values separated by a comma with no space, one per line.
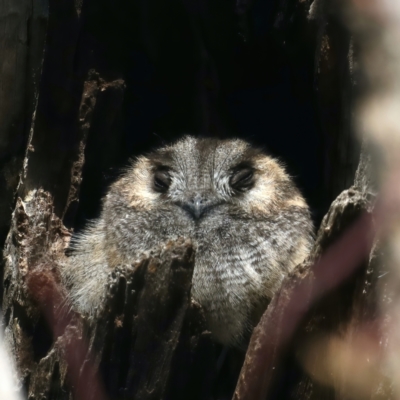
(248,223)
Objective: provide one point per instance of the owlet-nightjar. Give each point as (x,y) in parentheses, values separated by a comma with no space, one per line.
(248,223)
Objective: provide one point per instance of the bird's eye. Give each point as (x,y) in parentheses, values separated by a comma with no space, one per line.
(162,180)
(242,179)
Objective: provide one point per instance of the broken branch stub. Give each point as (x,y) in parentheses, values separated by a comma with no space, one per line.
(148,316)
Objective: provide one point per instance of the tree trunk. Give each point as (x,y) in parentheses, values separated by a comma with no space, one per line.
(83,87)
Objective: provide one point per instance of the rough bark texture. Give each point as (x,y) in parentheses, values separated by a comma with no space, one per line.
(21,49)
(83,86)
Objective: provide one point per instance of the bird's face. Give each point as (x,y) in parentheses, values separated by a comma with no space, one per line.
(200,179)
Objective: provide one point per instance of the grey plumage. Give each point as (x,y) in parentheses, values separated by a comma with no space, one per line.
(248,223)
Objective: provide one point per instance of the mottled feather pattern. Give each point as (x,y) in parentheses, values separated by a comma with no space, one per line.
(248,222)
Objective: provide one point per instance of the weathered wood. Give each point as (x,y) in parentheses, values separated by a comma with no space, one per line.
(148,313)
(22,41)
(36,234)
(71,122)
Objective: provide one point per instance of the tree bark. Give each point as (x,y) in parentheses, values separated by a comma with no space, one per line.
(69,98)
